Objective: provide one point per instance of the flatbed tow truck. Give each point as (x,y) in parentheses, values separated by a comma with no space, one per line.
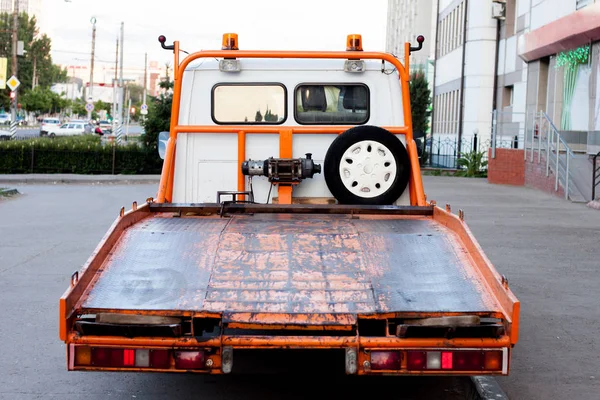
(349,258)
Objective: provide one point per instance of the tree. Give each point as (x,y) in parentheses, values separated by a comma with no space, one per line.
(37,51)
(78,107)
(158,120)
(136,92)
(258,117)
(41,100)
(420,99)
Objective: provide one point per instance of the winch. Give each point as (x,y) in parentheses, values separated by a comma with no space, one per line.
(282,170)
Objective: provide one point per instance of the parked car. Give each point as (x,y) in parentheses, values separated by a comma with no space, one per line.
(5,119)
(48,124)
(106,126)
(68,129)
(88,126)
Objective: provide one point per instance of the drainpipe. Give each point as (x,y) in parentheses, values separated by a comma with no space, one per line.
(435,52)
(462,80)
(494,102)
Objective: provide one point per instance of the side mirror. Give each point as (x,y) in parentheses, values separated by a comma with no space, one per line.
(163,138)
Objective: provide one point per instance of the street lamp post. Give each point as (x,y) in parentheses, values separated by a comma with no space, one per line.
(90,94)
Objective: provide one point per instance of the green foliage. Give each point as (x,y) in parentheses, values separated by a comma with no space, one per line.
(37,47)
(158,120)
(258,117)
(78,107)
(420,99)
(474,165)
(77,154)
(572,58)
(136,92)
(40,100)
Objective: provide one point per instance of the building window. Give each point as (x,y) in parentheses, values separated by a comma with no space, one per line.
(450,30)
(447,112)
(508,96)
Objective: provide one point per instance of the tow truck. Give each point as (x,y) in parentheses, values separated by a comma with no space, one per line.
(290,215)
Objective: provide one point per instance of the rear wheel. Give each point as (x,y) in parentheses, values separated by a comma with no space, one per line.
(367,165)
(52,135)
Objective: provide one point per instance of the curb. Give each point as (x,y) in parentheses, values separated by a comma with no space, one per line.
(8,192)
(488,389)
(74,178)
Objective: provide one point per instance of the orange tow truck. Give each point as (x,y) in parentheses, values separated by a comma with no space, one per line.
(290,214)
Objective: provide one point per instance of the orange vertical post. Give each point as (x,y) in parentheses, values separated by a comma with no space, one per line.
(417,194)
(169,162)
(285,151)
(241,183)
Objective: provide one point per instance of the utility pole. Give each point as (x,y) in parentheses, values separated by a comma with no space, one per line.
(34,72)
(15,30)
(115,81)
(91,93)
(120,112)
(145,77)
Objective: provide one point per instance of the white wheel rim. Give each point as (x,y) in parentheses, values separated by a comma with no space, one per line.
(367,169)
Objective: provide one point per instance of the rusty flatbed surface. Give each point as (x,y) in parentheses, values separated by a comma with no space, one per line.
(266,263)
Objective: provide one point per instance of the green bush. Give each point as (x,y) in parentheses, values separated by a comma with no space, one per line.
(474,165)
(77,155)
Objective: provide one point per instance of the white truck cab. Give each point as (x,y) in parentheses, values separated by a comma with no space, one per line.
(282,92)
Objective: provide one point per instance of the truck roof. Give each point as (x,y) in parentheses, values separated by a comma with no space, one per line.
(296,64)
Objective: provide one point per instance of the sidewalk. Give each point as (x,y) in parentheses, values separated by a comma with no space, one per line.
(75,178)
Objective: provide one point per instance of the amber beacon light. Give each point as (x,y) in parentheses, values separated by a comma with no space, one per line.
(230,41)
(354,43)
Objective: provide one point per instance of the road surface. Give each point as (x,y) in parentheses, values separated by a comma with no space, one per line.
(548,249)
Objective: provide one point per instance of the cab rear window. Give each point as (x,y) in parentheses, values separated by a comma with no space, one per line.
(346,104)
(249,103)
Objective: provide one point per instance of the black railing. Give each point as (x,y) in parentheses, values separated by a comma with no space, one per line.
(444,153)
(595,175)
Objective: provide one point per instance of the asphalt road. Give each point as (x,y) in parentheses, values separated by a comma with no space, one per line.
(548,249)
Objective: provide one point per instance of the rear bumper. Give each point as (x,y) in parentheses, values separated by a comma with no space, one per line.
(361,348)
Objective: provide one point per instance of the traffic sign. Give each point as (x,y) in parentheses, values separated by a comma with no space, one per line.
(144,109)
(13,83)
(89,107)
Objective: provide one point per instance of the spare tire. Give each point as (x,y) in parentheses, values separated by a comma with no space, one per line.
(367,165)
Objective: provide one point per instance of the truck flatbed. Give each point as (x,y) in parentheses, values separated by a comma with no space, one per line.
(292,264)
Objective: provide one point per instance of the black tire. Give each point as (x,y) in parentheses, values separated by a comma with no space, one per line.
(351,137)
(52,135)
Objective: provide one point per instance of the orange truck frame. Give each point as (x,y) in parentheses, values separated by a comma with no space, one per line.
(105,330)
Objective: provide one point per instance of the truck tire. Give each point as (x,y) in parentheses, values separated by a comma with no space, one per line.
(367,165)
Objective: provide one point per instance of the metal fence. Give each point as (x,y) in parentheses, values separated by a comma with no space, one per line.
(444,152)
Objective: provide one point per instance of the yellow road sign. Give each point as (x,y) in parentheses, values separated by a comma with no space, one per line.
(13,83)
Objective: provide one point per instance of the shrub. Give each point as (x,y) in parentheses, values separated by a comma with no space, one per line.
(474,165)
(77,155)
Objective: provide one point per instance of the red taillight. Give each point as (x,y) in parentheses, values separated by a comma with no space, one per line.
(189,359)
(128,358)
(160,359)
(105,357)
(468,360)
(416,360)
(446,360)
(385,360)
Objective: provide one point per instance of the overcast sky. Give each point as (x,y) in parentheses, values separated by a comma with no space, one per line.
(261,24)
